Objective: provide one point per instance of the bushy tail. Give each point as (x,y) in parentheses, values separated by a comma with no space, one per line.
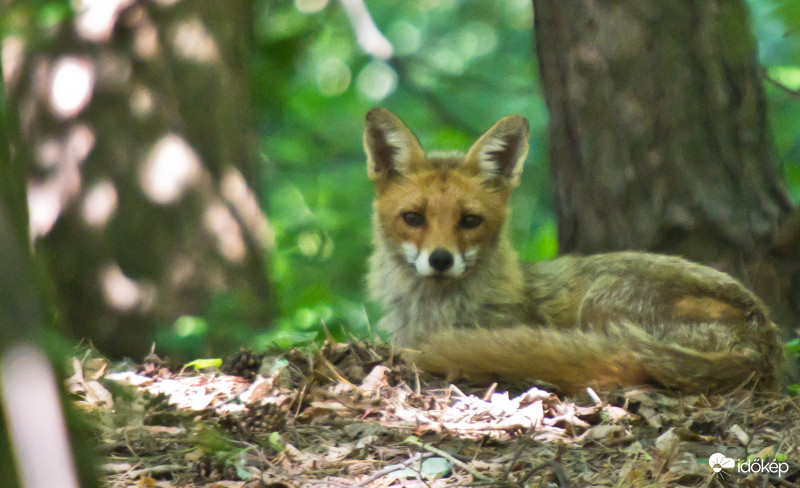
(574,359)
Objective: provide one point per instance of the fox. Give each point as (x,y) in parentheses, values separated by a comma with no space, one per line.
(459,302)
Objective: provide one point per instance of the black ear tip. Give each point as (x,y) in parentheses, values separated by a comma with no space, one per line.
(372,114)
(522,121)
(376,113)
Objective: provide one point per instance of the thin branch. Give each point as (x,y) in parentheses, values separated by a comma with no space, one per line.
(415,441)
(369,37)
(394,467)
(779,85)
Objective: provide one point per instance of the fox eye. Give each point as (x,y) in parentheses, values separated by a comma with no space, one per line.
(414,219)
(470,221)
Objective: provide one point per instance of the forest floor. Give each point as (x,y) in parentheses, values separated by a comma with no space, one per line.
(357,415)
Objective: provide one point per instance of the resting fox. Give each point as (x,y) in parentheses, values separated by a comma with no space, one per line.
(460,302)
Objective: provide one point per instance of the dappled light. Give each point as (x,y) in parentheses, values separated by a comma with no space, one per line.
(96,18)
(71,85)
(124,293)
(11,50)
(376,81)
(310,6)
(170,168)
(99,204)
(80,139)
(332,76)
(145,40)
(141,102)
(192,41)
(226,231)
(405,36)
(62,158)
(235,190)
(44,206)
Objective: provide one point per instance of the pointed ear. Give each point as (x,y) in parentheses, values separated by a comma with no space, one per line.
(391,148)
(501,151)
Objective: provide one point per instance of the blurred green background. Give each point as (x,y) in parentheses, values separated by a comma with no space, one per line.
(458,66)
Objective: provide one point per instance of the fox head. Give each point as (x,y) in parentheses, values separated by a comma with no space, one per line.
(440,213)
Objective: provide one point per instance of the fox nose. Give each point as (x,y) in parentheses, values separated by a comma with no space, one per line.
(441,260)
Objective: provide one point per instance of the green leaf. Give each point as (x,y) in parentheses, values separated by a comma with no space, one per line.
(431,468)
(275,441)
(205,363)
(242,473)
(213,442)
(277,365)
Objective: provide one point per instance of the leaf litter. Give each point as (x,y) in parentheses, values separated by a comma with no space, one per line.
(358,415)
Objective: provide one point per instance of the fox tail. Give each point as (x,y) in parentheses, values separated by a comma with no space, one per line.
(574,359)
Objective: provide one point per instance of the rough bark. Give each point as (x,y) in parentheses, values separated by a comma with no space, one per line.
(659,138)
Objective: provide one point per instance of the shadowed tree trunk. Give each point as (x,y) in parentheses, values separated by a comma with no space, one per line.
(143,170)
(659,138)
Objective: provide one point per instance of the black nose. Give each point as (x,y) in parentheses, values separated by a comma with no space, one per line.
(441,260)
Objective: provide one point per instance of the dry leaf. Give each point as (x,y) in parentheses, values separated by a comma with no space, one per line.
(375,380)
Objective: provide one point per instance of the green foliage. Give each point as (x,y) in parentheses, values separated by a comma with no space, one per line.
(777,27)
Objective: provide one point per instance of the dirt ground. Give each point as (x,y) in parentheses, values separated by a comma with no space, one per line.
(357,415)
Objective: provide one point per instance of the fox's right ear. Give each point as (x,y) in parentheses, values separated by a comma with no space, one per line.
(500,153)
(391,148)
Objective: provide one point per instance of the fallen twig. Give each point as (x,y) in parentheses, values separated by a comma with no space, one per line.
(416,441)
(394,467)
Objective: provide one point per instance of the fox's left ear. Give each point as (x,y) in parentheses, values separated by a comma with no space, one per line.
(501,151)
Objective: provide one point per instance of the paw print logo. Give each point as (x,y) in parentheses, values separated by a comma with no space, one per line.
(718,462)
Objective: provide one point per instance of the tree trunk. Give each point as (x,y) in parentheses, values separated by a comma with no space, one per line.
(142,166)
(659,138)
